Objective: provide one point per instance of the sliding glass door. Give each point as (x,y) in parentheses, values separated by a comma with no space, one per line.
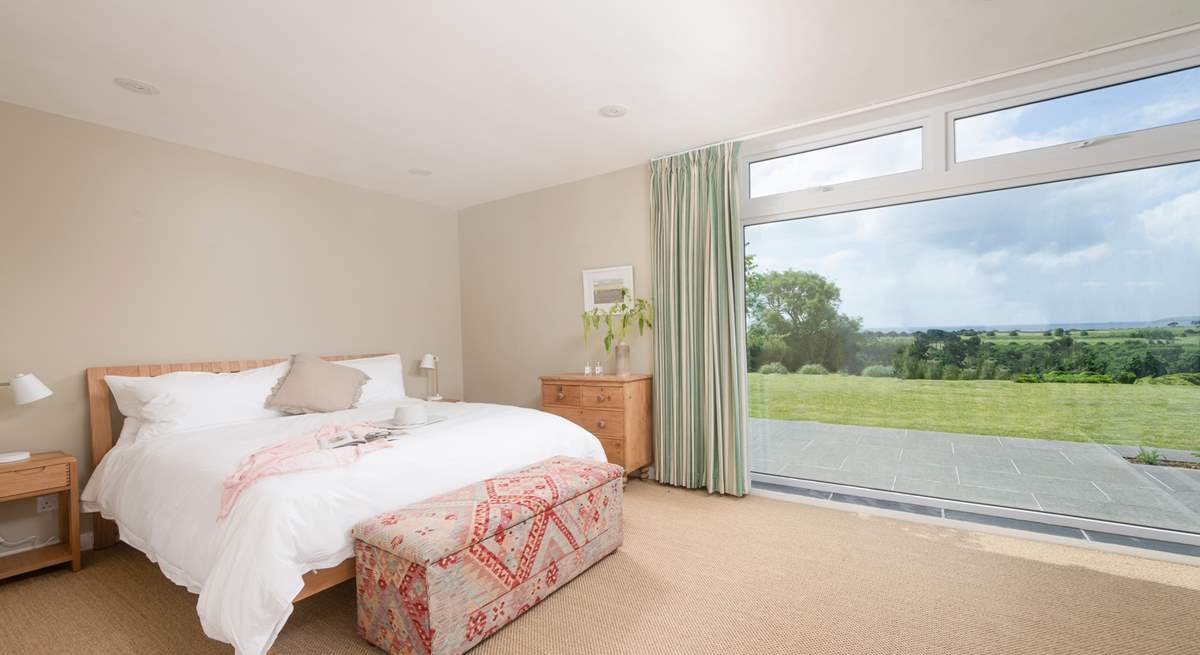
(1033,347)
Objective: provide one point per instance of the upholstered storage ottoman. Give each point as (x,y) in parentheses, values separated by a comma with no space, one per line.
(438,576)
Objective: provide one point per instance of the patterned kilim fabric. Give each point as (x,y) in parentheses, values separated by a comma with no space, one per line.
(700,407)
(438,576)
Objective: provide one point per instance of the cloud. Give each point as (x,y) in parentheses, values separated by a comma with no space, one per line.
(1112,248)
(1049,260)
(1174,221)
(1119,109)
(885,155)
(987,135)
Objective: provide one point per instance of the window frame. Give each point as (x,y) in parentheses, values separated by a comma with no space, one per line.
(858,137)
(941,176)
(1067,90)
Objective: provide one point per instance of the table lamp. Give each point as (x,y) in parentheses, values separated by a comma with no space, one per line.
(26,388)
(429,363)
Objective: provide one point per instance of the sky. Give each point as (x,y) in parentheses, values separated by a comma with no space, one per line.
(1113,248)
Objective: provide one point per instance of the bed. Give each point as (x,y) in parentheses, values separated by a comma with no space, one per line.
(288,537)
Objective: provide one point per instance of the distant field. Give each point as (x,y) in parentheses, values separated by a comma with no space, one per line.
(1092,336)
(1160,416)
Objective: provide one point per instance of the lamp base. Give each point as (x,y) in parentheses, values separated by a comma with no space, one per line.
(15,456)
(435,397)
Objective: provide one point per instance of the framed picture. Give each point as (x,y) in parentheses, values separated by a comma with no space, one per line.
(603,287)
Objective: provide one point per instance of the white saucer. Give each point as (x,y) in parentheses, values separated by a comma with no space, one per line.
(15,456)
(391,424)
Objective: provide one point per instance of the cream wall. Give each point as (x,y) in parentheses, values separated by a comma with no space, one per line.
(120,249)
(522,292)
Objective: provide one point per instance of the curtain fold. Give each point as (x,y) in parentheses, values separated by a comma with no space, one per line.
(700,409)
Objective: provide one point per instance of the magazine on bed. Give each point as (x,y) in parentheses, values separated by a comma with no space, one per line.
(386,430)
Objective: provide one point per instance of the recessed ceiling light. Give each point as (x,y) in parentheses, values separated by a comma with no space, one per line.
(136,86)
(420,172)
(613,111)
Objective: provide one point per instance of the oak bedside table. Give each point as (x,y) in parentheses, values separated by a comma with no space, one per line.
(42,474)
(615,408)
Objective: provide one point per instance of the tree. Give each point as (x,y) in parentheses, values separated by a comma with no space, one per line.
(801,308)
(1146,365)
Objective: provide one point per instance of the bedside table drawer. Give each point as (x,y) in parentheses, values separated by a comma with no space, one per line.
(560,394)
(603,397)
(614,449)
(32,480)
(603,423)
(572,414)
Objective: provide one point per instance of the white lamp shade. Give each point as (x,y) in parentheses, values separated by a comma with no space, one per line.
(27,388)
(429,361)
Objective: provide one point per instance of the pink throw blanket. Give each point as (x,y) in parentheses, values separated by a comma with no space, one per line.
(302,453)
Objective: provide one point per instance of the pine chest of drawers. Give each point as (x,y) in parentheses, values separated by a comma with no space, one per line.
(617,409)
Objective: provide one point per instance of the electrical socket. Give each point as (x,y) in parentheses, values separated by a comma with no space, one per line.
(47,503)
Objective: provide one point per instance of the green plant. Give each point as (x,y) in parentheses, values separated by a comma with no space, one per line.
(1179,379)
(877,371)
(813,369)
(619,319)
(1077,378)
(1147,456)
(773,368)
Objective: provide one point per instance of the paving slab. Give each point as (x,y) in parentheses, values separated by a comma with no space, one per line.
(1080,479)
(1020,500)
(927,456)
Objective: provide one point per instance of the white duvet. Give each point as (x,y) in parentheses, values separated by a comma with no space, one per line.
(164,494)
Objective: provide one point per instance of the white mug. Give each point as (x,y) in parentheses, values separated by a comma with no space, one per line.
(410,414)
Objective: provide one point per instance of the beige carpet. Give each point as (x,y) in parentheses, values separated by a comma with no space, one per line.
(702,574)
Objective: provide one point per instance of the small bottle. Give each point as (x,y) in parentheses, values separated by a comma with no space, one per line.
(598,369)
(587,370)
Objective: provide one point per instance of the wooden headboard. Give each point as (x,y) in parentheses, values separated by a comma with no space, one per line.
(100,407)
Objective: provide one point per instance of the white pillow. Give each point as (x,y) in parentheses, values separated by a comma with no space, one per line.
(129,431)
(188,400)
(386,383)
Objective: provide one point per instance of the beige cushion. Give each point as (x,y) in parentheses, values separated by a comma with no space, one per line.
(315,385)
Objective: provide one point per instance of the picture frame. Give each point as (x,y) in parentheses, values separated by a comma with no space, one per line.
(602,286)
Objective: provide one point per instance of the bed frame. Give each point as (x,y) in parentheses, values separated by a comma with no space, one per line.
(101,404)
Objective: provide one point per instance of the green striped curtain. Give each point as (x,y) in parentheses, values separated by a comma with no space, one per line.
(700,410)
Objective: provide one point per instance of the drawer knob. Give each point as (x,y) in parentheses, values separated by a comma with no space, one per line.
(601,423)
(600,398)
(560,395)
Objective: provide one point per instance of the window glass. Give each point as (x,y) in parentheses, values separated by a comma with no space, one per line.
(1034,347)
(1150,102)
(859,160)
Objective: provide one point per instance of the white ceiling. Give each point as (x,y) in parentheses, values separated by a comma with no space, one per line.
(501,97)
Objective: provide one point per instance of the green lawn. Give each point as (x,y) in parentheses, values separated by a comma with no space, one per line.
(1160,416)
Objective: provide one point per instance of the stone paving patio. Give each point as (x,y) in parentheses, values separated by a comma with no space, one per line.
(1081,479)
